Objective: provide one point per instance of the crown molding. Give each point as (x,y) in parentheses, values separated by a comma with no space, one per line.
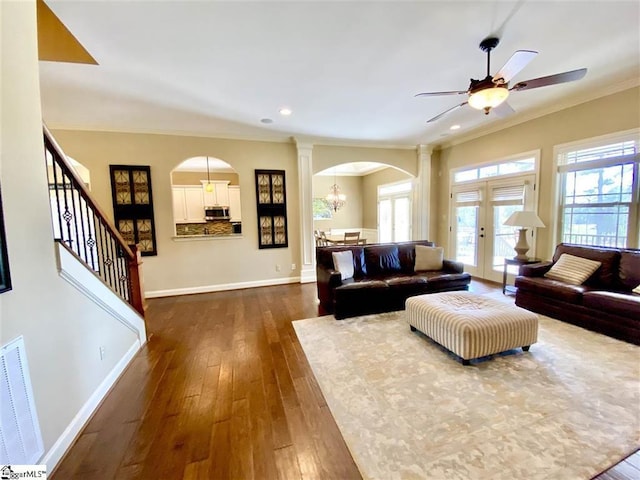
(175,133)
(285,138)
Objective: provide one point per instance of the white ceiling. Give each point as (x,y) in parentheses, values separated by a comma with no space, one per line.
(199,164)
(353,169)
(348,70)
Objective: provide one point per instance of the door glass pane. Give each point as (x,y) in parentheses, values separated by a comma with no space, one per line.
(505,237)
(466,235)
(401,219)
(384,214)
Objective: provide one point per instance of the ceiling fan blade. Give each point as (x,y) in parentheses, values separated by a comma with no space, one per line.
(446,111)
(503,110)
(435,94)
(571,76)
(517,62)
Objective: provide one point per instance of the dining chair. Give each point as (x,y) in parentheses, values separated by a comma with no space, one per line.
(321,239)
(351,238)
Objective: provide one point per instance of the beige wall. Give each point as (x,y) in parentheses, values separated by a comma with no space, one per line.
(370,185)
(605,115)
(196,263)
(62,329)
(196,178)
(349,216)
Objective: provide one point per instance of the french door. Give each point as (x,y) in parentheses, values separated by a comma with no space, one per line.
(478,210)
(394,212)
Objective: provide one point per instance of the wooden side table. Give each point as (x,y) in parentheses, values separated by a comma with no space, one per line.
(514,261)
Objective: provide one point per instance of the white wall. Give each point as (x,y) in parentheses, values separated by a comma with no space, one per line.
(62,329)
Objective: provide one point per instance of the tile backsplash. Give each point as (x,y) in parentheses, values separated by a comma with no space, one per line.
(214,227)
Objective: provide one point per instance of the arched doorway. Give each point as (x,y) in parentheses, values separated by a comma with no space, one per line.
(359,183)
(206,198)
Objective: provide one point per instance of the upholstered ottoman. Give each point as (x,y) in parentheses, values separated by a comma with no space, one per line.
(472,325)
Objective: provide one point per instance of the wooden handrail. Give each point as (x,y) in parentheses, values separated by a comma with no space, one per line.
(83,228)
(84,191)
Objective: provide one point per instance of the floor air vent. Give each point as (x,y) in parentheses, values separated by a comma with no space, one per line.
(20,436)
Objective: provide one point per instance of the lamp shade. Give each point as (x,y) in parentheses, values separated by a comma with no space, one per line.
(488,97)
(524,218)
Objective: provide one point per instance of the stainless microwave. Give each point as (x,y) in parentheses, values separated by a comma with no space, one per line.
(216,213)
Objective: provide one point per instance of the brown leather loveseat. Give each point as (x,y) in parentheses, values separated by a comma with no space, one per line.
(384,277)
(604,303)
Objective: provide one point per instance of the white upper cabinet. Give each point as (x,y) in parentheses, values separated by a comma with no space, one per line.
(188,204)
(219,195)
(235,211)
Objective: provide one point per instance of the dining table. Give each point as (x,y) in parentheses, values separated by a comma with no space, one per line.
(339,240)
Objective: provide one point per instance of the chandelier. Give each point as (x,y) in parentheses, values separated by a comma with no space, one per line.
(335,199)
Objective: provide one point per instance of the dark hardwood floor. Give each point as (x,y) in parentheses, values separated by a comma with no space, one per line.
(223,390)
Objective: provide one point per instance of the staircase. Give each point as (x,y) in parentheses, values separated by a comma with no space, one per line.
(84,231)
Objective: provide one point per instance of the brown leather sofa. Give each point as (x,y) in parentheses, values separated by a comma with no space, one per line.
(384,277)
(603,303)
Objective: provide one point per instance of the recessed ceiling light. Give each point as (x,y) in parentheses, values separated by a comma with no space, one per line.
(266,120)
(285,111)
(454,127)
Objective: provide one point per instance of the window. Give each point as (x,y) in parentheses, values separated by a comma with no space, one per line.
(321,209)
(496,169)
(599,190)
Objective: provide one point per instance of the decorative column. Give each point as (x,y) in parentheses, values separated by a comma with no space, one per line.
(422,194)
(305,189)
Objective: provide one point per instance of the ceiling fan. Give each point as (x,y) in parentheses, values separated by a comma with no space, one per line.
(492,92)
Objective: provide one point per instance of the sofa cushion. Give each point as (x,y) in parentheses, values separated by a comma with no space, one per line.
(572,270)
(629,270)
(362,285)
(439,280)
(382,259)
(636,290)
(546,287)
(621,304)
(605,276)
(429,258)
(405,280)
(343,263)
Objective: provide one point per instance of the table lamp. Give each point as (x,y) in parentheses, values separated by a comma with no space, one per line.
(525,219)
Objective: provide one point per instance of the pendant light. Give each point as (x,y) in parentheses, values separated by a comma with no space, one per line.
(209,186)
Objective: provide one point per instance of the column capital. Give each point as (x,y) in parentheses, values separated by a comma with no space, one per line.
(424,149)
(303,144)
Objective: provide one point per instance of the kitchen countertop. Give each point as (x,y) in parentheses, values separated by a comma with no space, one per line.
(178,238)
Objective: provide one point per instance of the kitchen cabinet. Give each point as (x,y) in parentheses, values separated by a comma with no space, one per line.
(235,211)
(219,195)
(188,204)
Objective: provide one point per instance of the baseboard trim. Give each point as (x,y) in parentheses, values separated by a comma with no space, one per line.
(221,287)
(60,447)
(308,276)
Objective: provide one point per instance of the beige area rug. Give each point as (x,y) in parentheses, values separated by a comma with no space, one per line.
(567,409)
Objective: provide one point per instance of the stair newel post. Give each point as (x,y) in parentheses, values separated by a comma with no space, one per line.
(136,293)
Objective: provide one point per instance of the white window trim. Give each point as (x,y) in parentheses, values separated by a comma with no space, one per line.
(488,163)
(556,185)
(391,196)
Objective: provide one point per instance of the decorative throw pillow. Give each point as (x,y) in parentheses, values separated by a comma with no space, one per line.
(571,269)
(636,290)
(429,258)
(343,263)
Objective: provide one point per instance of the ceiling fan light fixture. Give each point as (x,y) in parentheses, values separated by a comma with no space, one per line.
(488,98)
